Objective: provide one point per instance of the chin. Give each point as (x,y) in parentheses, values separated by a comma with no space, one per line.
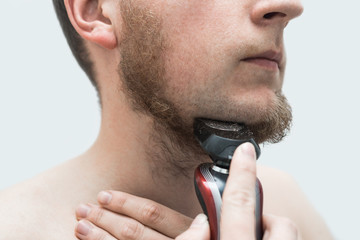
(253,106)
(265,112)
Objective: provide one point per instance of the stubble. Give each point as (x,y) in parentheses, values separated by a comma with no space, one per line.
(142,71)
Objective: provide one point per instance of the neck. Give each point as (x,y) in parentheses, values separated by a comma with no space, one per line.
(133,156)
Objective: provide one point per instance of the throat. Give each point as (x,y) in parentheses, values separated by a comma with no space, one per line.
(172,162)
(176,193)
(148,160)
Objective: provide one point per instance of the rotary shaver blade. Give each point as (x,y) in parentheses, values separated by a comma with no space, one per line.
(220,139)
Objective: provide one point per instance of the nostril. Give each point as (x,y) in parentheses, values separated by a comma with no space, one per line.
(274,14)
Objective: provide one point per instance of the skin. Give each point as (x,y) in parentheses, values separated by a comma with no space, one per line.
(116,218)
(207,75)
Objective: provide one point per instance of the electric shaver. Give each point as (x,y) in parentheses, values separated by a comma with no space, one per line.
(220,140)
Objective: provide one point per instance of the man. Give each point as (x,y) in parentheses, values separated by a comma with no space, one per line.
(157,66)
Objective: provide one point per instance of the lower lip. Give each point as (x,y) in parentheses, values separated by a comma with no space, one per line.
(265,63)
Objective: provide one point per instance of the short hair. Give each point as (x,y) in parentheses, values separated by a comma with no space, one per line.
(75,41)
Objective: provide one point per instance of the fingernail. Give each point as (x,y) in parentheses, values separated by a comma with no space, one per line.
(83,227)
(83,211)
(104,197)
(248,149)
(200,220)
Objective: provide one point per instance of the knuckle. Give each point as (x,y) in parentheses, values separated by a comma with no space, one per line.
(132,231)
(151,213)
(99,236)
(241,199)
(248,169)
(120,200)
(97,215)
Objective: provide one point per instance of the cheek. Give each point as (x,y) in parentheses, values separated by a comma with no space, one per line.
(192,61)
(190,74)
(203,43)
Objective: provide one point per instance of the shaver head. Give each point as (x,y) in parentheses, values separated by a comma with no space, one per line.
(220,139)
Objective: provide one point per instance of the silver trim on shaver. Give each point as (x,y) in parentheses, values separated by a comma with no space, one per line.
(220,170)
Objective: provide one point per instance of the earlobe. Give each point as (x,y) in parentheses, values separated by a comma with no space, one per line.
(89,20)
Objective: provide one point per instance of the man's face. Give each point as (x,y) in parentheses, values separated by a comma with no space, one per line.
(217,59)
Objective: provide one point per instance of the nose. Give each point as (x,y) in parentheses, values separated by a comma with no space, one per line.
(266,12)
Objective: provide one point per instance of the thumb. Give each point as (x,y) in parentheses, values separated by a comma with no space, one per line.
(199,229)
(237,216)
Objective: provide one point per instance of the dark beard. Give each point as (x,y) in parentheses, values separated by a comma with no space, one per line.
(143,74)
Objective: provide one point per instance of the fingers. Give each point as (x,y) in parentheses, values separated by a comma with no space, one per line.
(279,228)
(86,231)
(105,222)
(198,230)
(149,213)
(238,218)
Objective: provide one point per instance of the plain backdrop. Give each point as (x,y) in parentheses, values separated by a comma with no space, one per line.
(49,111)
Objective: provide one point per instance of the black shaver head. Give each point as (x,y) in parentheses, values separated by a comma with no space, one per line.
(220,139)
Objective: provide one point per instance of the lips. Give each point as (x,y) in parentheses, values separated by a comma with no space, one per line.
(270,60)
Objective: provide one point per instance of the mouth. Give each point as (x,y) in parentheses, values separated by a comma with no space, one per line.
(270,60)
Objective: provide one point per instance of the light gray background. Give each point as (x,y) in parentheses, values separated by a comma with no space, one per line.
(49,111)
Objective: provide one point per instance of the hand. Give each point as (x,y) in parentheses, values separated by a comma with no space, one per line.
(237,216)
(124,216)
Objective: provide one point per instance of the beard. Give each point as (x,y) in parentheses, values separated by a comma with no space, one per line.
(143,74)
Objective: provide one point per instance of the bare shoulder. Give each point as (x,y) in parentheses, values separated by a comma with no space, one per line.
(15,214)
(283,197)
(29,211)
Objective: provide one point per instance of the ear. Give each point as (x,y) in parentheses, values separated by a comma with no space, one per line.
(91,20)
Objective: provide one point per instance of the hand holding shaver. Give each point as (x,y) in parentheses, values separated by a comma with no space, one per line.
(220,140)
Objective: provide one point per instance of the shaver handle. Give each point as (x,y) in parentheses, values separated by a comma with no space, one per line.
(209,186)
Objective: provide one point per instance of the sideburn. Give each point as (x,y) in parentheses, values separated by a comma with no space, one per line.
(142,71)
